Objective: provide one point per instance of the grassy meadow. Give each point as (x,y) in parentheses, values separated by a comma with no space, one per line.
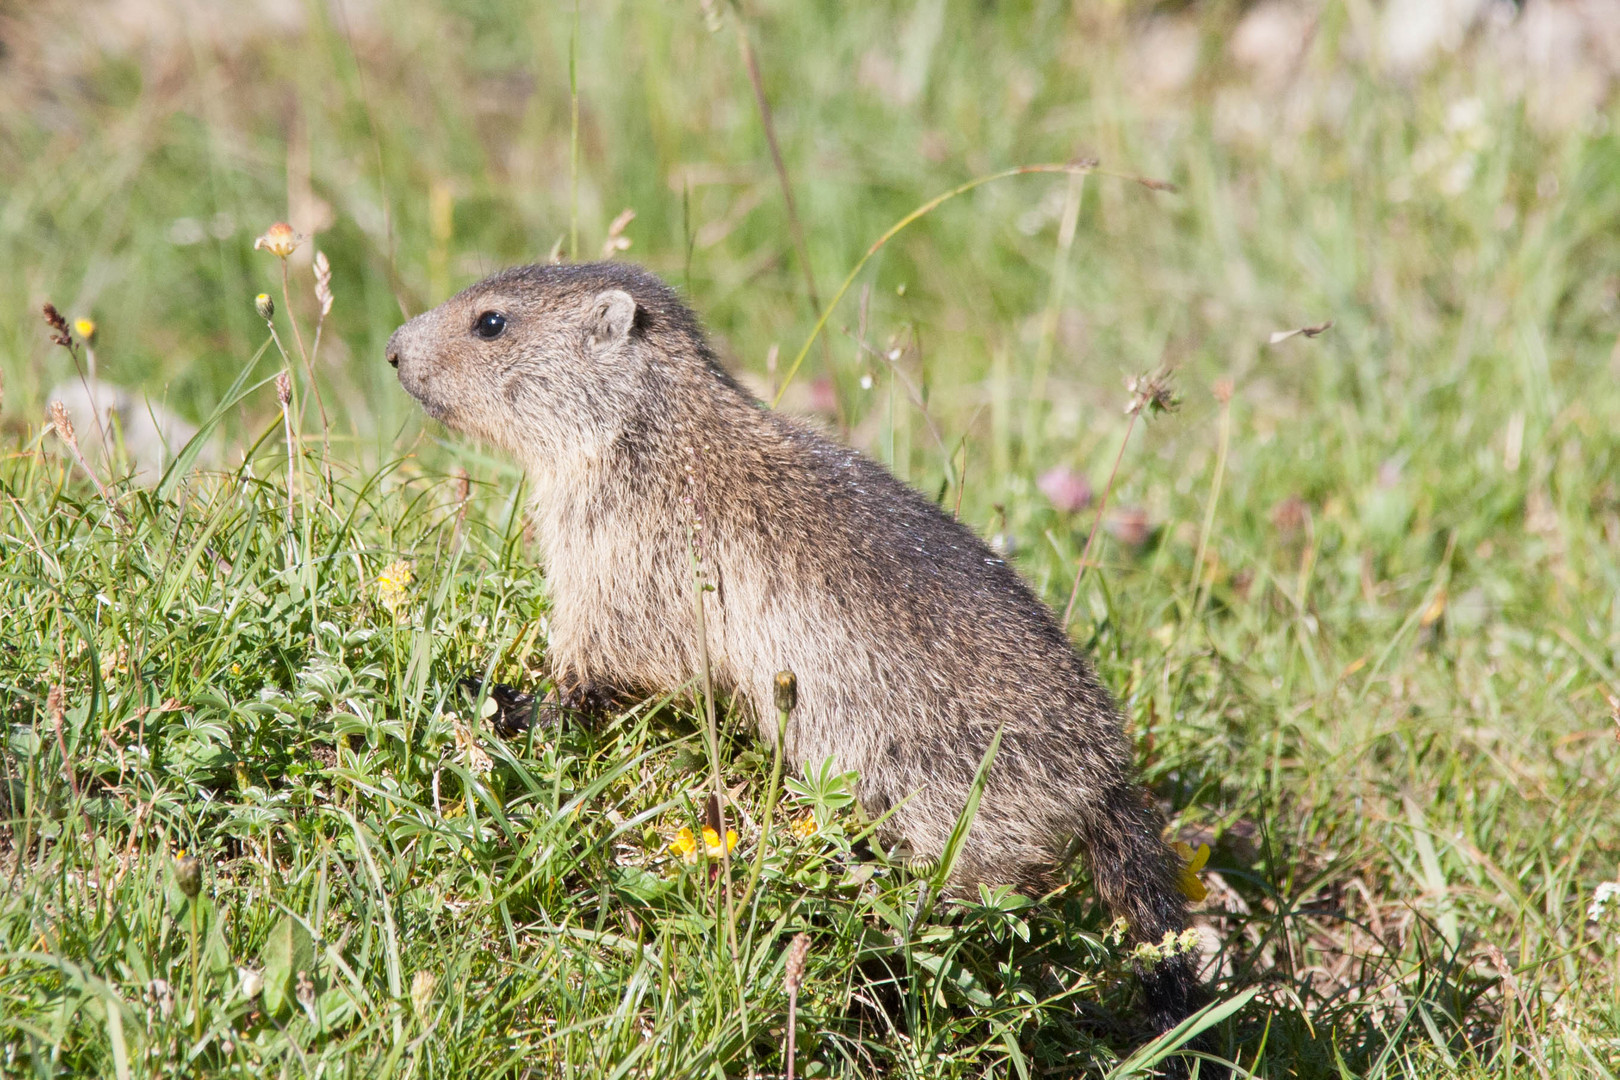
(1359,595)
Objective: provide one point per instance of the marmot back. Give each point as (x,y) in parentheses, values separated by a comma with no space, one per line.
(912,641)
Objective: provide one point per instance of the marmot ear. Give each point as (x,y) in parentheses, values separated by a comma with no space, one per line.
(611,315)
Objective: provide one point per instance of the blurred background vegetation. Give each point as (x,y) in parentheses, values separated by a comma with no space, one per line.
(1363,616)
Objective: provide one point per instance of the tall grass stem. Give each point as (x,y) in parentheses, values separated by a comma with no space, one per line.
(1102,512)
(923,210)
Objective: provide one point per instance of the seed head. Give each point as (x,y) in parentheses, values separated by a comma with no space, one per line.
(59,326)
(1152,393)
(787,691)
(1504,970)
(188,872)
(797,951)
(265,306)
(279,240)
(55,704)
(616,240)
(323,282)
(422,986)
(63,424)
(283,388)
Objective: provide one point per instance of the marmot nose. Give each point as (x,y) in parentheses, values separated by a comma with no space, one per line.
(393,357)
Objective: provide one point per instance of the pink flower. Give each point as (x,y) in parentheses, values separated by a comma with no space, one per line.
(1067,490)
(1129,525)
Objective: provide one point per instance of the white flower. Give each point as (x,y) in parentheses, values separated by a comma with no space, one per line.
(251,980)
(1606,894)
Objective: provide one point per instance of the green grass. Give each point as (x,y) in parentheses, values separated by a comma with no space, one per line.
(1381,697)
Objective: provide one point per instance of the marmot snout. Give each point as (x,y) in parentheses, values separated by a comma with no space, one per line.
(913,642)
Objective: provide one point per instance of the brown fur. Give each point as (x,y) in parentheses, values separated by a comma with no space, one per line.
(912,641)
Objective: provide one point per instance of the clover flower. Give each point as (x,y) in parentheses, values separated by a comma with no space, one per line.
(1068,491)
(1190,884)
(685,843)
(393,584)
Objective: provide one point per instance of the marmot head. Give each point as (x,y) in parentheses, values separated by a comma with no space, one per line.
(546,360)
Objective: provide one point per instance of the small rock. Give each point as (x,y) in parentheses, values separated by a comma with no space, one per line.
(140,433)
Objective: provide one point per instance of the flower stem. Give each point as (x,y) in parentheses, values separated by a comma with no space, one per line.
(771,794)
(196,990)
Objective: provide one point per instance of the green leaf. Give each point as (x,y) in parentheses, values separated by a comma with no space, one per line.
(964,822)
(187,457)
(287,951)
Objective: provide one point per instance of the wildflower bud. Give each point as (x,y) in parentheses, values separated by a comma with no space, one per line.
(283,388)
(188,872)
(265,306)
(787,691)
(85,328)
(922,866)
(279,240)
(323,282)
(63,425)
(797,951)
(1504,970)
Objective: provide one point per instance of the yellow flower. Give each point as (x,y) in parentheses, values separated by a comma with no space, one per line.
(85,328)
(1191,886)
(279,240)
(805,827)
(685,843)
(392,584)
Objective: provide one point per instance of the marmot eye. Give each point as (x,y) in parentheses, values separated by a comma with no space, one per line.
(489,325)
